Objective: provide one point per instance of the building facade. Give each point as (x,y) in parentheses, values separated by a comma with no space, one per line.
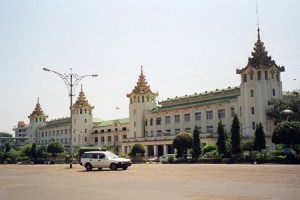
(154,124)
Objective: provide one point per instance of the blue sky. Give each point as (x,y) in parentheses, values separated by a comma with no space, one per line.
(184,47)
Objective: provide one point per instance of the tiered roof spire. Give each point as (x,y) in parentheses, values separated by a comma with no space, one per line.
(260,55)
(38,111)
(142,85)
(82,101)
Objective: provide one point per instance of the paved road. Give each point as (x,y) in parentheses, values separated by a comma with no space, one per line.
(150,181)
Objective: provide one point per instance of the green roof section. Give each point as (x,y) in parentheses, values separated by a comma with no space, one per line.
(111,122)
(57,122)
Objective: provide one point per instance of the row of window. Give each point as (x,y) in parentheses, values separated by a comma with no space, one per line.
(110,130)
(187,117)
(252,93)
(259,76)
(109,138)
(53,133)
(141,99)
(81,111)
(63,141)
(57,133)
(167,132)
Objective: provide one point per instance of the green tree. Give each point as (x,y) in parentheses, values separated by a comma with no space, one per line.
(54,148)
(42,152)
(287,132)
(291,101)
(13,155)
(4,134)
(222,139)
(7,147)
(182,142)
(196,151)
(33,152)
(259,140)
(26,150)
(137,149)
(235,136)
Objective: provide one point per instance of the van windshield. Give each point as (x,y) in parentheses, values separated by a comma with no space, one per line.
(111,155)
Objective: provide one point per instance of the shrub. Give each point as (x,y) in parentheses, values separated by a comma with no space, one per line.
(209,147)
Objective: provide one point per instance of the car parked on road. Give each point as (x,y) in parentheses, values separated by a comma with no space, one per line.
(103,159)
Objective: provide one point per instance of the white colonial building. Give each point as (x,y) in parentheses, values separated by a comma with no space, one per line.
(154,124)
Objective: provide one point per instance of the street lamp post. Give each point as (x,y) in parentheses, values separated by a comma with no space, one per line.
(71,81)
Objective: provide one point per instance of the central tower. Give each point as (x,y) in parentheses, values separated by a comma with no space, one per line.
(260,82)
(141,99)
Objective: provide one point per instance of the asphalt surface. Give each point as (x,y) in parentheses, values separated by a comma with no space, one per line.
(151,181)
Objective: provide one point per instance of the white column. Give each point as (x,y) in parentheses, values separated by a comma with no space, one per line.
(146,151)
(155,150)
(165,149)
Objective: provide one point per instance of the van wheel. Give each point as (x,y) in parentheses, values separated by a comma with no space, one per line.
(124,168)
(88,167)
(99,168)
(113,166)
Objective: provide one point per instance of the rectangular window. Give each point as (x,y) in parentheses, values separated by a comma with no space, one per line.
(177,118)
(102,139)
(124,136)
(252,110)
(245,78)
(85,120)
(253,125)
(187,130)
(209,115)
(168,120)
(251,93)
(259,75)
(151,122)
(187,117)
(123,128)
(198,116)
(232,111)
(274,92)
(85,130)
(159,133)
(116,129)
(66,131)
(116,138)
(266,75)
(177,130)
(109,130)
(109,138)
(251,76)
(96,139)
(210,129)
(102,130)
(221,113)
(158,121)
(57,132)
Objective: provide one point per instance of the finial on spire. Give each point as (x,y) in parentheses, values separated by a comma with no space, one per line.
(38,100)
(81,87)
(142,69)
(258,33)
